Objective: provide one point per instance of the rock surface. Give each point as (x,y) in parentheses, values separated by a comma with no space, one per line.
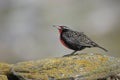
(82,66)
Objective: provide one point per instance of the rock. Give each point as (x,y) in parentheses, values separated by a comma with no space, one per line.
(3,77)
(4,70)
(78,67)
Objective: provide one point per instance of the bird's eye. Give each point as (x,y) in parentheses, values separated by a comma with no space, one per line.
(64,27)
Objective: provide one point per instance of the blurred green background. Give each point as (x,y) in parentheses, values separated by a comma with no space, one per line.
(26,31)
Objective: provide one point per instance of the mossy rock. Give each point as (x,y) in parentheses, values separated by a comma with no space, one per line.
(4,70)
(3,77)
(80,67)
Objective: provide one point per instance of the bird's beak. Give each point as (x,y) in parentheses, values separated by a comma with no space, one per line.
(58,27)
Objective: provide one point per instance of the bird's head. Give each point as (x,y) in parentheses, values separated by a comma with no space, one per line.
(61,28)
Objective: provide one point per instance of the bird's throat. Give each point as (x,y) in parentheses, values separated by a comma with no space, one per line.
(60,31)
(62,41)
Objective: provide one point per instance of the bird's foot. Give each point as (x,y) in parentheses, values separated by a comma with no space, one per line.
(67,55)
(73,53)
(70,55)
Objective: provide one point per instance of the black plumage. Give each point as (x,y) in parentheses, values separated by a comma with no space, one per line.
(76,40)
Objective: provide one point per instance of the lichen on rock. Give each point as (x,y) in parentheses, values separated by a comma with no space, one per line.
(82,66)
(4,70)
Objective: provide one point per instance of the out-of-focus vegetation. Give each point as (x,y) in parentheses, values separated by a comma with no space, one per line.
(26,30)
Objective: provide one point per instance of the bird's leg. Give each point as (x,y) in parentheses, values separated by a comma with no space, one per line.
(70,54)
(73,53)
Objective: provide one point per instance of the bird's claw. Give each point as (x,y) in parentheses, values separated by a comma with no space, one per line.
(67,55)
(70,55)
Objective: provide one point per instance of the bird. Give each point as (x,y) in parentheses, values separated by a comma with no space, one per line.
(75,40)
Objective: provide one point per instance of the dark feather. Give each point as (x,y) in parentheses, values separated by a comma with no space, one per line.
(77,40)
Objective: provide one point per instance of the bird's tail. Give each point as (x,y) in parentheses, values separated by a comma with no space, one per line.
(102,48)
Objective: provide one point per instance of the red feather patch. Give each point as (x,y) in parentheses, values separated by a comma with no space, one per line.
(60,31)
(63,43)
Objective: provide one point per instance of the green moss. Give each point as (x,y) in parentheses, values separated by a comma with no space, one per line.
(83,66)
(3,77)
(5,68)
(89,66)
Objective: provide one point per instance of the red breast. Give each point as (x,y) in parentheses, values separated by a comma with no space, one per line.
(62,41)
